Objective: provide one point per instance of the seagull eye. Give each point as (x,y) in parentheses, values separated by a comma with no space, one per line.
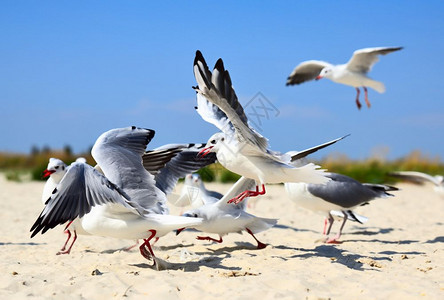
(63,168)
(213,142)
(56,167)
(222,139)
(194,215)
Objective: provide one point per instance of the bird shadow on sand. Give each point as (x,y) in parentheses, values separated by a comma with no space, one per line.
(399,242)
(280,226)
(373,231)
(21,244)
(189,266)
(230,249)
(438,239)
(341,256)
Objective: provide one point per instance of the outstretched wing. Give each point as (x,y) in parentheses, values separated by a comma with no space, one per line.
(119,154)
(306,71)
(184,161)
(363,59)
(80,189)
(417,177)
(217,103)
(295,155)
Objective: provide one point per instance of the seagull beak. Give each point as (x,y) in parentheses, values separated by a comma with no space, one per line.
(46,173)
(204,151)
(179,230)
(318,77)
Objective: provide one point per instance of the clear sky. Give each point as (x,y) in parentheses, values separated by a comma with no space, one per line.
(71,70)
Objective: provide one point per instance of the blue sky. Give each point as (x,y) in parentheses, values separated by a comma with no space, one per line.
(71,70)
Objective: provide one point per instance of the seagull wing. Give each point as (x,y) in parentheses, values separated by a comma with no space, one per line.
(295,155)
(417,177)
(306,71)
(218,103)
(363,59)
(241,185)
(119,154)
(184,162)
(80,189)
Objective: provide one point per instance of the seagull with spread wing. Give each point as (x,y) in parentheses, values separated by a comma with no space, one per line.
(240,148)
(353,73)
(123,202)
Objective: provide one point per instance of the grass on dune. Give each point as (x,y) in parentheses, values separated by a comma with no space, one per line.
(372,170)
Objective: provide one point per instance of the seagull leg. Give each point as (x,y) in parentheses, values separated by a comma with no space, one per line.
(330,223)
(366,97)
(131,247)
(146,250)
(358,104)
(246,194)
(69,249)
(68,232)
(336,238)
(260,245)
(207,238)
(325,226)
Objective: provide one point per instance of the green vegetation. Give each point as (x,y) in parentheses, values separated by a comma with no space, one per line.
(372,170)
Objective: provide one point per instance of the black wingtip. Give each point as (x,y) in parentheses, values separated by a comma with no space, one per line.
(219,65)
(199,57)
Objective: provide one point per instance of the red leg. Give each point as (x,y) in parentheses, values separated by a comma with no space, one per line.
(366,97)
(145,248)
(336,238)
(358,104)
(207,238)
(68,232)
(325,226)
(131,247)
(246,194)
(69,249)
(260,245)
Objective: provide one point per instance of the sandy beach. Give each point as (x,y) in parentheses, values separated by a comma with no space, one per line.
(397,254)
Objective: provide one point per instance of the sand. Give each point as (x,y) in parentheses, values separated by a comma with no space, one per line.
(397,254)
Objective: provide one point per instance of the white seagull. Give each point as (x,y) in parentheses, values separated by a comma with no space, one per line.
(353,73)
(194,193)
(239,148)
(123,203)
(54,173)
(342,194)
(222,218)
(420,178)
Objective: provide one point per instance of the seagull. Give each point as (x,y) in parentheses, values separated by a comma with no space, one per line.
(123,203)
(353,73)
(420,178)
(342,194)
(240,148)
(168,163)
(222,218)
(54,173)
(194,193)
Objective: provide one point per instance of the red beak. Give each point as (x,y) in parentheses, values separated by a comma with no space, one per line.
(46,173)
(179,230)
(318,77)
(204,151)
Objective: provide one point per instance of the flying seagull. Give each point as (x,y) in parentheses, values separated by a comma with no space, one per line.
(353,73)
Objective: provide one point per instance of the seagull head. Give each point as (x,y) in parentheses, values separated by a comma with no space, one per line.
(213,144)
(56,169)
(325,72)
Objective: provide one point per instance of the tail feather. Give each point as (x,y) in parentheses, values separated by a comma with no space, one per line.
(261,224)
(310,173)
(384,189)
